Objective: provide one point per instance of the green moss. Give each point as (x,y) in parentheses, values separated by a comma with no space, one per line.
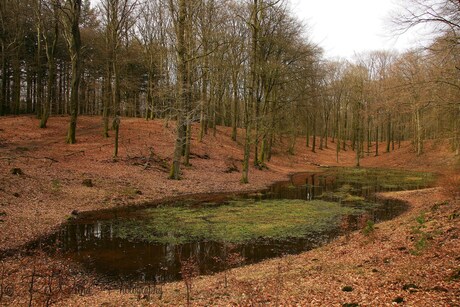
(344,193)
(353,198)
(384,178)
(247,220)
(237,221)
(369,228)
(55,185)
(346,188)
(129,191)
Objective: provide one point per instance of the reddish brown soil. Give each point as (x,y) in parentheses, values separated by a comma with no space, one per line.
(379,267)
(376,266)
(51,187)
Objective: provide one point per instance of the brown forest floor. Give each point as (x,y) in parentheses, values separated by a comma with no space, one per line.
(379,267)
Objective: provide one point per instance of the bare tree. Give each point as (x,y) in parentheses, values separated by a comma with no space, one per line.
(70,14)
(118,19)
(153,26)
(180,15)
(442,16)
(48,28)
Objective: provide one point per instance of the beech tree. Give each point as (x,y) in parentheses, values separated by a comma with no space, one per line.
(118,19)
(70,14)
(153,26)
(247,65)
(47,15)
(443,19)
(180,15)
(254,86)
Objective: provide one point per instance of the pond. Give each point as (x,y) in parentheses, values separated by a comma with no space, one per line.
(148,244)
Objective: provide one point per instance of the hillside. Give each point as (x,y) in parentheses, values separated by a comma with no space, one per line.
(42,184)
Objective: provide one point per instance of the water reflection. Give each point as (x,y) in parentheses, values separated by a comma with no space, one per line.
(118,259)
(92,241)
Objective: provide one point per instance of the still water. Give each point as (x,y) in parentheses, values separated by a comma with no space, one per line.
(91,241)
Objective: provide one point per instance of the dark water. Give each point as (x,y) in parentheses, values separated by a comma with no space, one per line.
(90,239)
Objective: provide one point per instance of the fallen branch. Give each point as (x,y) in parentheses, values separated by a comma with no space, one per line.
(51,159)
(74,153)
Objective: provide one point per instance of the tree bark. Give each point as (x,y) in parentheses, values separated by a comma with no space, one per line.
(376,140)
(252,91)
(418,132)
(181,88)
(74,44)
(16,95)
(234,105)
(388,133)
(4,78)
(50,48)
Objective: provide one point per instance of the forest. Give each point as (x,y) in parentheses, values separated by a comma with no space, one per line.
(209,152)
(241,64)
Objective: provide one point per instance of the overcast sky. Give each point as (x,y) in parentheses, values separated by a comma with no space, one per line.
(343,27)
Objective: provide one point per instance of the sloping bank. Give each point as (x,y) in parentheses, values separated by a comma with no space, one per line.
(413,258)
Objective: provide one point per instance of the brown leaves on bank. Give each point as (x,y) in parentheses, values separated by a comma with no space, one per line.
(400,260)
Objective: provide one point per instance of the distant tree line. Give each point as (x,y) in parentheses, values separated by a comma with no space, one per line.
(242,64)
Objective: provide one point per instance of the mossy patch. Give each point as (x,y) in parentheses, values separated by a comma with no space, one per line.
(240,221)
(352,183)
(384,178)
(343,193)
(236,221)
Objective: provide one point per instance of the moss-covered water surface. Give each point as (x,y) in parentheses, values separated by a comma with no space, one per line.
(289,217)
(382,179)
(234,221)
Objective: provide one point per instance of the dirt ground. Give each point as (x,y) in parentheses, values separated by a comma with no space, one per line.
(413,259)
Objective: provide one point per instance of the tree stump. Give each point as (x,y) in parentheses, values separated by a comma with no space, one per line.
(88,183)
(16,171)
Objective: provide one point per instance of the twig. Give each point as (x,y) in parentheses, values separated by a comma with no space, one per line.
(74,153)
(152,154)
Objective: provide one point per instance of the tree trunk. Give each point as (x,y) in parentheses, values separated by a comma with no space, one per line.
(42,109)
(188,136)
(321,139)
(74,42)
(313,145)
(247,148)
(326,132)
(369,136)
(345,131)
(418,133)
(291,149)
(116,127)
(234,106)
(107,98)
(338,132)
(307,134)
(358,145)
(29,91)
(388,133)
(252,91)
(50,55)
(16,82)
(116,87)
(3,82)
(376,140)
(204,94)
(181,88)
(60,98)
